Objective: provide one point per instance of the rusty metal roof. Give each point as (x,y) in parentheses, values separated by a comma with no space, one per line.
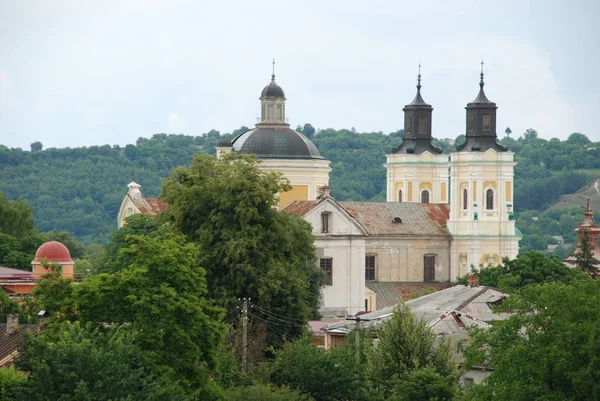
(392,293)
(416,218)
(150,206)
(300,208)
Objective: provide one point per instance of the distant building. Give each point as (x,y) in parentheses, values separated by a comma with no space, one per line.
(593,231)
(135,203)
(449,312)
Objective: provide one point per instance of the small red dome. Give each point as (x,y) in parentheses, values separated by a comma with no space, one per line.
(53,251)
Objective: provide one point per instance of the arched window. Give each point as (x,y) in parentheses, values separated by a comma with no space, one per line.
(489,199)
(400,195)
(465,199)
(425,196)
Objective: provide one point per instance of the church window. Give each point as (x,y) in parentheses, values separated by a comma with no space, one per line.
(489,199)
(129,212)
(486,123)
(279,111)
(399,195)
(423,126)
(465,199)
(407,121)
(327,265)
(471,122)
(325,220)
(370,267)
(425,196)
(263,112)
(429,268)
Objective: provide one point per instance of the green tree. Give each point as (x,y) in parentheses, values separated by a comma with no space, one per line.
(548,348)
(55,294)
(584,258)
(527,269)
(261,392)
(249,250)
(11,381)
(161,293)
(326,375)
(36,146)
(74,362)
(408,345)
(308,131)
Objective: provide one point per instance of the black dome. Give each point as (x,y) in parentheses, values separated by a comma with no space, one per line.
(272,91)
(276,143)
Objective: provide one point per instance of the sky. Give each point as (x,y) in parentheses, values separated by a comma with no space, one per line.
(81,73)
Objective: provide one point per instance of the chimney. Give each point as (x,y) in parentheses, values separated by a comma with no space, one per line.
(473,280)
(324,192)
(12,323)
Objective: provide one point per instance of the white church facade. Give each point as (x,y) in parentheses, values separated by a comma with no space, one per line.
(444,214)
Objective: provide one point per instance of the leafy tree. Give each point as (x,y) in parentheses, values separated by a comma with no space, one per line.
(407,345)
(161,293)
(7,306)
(11,381)
(36,146)
(261,392)
(324,374)
(548,348)
(249,250)
(75,362)
(55,294)
(527,269)
(584,259)
(508,131)
(425,384)
(308,131)
(115,259)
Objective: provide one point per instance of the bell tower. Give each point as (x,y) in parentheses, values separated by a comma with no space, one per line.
(272,104)
(481,196)
(417,170)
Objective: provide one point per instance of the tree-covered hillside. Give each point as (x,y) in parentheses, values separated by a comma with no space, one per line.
(80,189)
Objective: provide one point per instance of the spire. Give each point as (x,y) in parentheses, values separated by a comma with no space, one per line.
(273,74)
(418,100)
(481,123)
(417,125)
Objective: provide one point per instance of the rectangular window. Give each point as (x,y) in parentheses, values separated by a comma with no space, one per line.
(370,267)
(429,267)
(327,266)
(486,123)
(407,122)
(325,222)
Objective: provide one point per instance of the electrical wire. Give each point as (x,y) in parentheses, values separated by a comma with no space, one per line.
(279,317)
(273,328)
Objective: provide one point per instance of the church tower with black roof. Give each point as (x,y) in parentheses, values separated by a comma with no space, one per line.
(417,170)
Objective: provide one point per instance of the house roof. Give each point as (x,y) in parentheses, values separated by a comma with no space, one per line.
(8,273)
(377,217)
(392,293)
(149,206)
(9,343)
(470,305)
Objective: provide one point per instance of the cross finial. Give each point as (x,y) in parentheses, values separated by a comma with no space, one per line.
(273,75)
(481,75)
(419,77)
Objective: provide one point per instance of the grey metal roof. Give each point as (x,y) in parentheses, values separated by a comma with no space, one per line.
(390,293)
(276,143)
(272,91)
(468,303)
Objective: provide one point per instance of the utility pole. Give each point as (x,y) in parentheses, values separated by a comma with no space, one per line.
(357,321)
(245,336)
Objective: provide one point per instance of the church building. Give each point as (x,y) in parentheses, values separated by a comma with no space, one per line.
(282,149)
(444,214)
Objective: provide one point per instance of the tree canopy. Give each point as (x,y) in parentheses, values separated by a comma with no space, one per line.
(249,250)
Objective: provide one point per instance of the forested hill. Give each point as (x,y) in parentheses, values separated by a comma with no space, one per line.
(79,190)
